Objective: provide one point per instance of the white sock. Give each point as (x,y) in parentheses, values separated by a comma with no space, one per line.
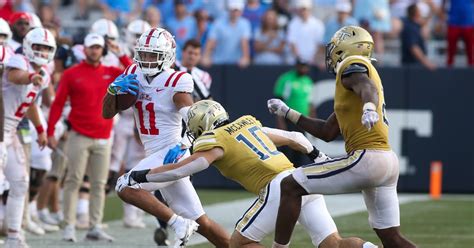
(369,245)
(175,221)
(83,206)
(276,245)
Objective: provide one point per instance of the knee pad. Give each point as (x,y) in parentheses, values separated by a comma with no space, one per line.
(83,189)
(18,188)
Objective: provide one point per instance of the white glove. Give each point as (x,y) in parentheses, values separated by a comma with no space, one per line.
(124,181)
(370,115)
(279,108)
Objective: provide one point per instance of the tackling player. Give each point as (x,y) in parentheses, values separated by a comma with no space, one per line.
(359,115)
(164,97)
(243,151)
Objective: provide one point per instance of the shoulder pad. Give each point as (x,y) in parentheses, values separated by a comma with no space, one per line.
(355,68)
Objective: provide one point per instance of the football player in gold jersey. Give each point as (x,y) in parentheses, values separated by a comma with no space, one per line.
(245,152)
(359,115)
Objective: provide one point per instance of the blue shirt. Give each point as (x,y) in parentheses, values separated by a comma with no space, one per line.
(228,37)
(332,25)
(410,36)
(461,13)
(166,7)
(254,16)
(118,5)
(182,30)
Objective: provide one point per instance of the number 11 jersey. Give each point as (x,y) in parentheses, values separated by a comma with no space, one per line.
(156,116)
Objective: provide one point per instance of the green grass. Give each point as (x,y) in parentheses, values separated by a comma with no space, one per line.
(114,210)
(433,224)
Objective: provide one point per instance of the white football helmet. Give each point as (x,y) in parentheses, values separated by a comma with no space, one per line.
(134,30)
(39,36)
(106,28)
(155,51)
(35,21)
(5,30)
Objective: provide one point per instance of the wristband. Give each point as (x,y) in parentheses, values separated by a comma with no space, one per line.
(31,75)
(39,129)
(313,154)
(369,106)
(292,115)
(111,90)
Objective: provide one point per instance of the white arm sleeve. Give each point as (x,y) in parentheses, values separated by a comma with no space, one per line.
(295,136)
(188,169)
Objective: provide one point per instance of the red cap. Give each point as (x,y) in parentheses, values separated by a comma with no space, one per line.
(17,16)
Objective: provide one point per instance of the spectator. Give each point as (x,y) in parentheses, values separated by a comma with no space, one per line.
(182,26)
(342,19)
(166,6)
(413,44)
(269,41)
(216,9)
(88,144)
(294,88)
(153,16)
(118,11)
(460,24)
(203,26)
(376,14)
(20,25)
(253,12)
(283,12)
(229,36)
(325,9)
(305,34)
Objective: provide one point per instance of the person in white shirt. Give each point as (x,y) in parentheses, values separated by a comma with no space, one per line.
(305,34)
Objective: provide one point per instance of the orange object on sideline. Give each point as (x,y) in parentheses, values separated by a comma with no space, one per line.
(436,179)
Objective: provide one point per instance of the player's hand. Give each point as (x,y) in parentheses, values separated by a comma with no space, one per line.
(36,79)
(125,84)
(244,62)
(42,140)
(52,142)
(369,115)
(277,107)
(124,181)
(175,154)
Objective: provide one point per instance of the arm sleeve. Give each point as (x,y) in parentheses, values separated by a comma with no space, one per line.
(185,170)
(58,103)
(185,84)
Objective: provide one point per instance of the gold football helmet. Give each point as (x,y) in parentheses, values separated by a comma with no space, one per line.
(204,116)
(348,41)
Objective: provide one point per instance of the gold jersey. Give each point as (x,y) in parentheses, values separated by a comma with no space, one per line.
(250,157)
(348,109)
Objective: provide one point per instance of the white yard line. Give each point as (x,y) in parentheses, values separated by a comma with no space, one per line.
(225,214)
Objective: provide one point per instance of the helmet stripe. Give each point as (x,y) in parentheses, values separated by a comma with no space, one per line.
(177,78)
(3,54)
(134,68)
(148,38)
(169,79)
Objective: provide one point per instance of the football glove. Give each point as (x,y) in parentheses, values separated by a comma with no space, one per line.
(175,154)
(124,84)
(124,181)
(369,115)
(279,108)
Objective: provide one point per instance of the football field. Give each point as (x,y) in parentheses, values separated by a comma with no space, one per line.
(444,223)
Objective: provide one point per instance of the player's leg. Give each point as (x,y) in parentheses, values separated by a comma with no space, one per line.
(183,199)
(382,204)
(17,176)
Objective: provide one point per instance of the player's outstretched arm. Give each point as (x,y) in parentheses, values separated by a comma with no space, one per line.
(197,162)
(326,130)
(295,140)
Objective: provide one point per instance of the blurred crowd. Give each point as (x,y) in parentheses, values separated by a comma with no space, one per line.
(277,31)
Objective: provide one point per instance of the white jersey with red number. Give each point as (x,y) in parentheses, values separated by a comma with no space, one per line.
(158,120)
(18,97)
